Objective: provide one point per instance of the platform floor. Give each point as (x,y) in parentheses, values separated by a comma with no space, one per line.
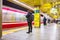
(49,32)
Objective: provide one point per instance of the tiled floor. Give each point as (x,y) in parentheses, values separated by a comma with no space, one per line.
(49,32)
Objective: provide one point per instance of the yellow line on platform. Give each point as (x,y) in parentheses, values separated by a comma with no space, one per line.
(13,30)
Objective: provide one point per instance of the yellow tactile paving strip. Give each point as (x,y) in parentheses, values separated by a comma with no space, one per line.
(12,30)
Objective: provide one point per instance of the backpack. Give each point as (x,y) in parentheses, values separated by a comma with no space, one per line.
(32,17)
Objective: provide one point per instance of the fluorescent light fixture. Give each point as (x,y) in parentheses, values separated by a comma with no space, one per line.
(23,4)
(53,10)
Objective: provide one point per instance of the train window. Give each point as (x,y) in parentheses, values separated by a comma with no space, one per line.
(12,16)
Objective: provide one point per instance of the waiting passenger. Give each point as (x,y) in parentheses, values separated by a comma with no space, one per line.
(29,17)
(48,20)
(44,20)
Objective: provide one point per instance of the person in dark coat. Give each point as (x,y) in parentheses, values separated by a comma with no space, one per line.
(29,20)
(44,20)
(48,20)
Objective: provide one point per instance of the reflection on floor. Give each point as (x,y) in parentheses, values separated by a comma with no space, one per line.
(49,32)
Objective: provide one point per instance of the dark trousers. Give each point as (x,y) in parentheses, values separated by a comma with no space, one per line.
(29,26)
(48,21)
(44,22)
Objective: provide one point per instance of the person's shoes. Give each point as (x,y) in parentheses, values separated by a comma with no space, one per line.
(28,32)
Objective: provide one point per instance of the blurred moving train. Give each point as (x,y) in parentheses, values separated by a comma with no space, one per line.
(12,17)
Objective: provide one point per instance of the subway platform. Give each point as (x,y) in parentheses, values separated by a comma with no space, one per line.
(49,32)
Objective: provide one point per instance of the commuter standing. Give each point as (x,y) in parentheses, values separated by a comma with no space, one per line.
(44,20)
(48,20)
(29,17)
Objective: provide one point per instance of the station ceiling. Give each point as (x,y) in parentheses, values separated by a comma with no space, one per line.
(36,2)
(32,3)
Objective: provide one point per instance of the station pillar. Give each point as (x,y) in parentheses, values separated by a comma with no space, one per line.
(37,17)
